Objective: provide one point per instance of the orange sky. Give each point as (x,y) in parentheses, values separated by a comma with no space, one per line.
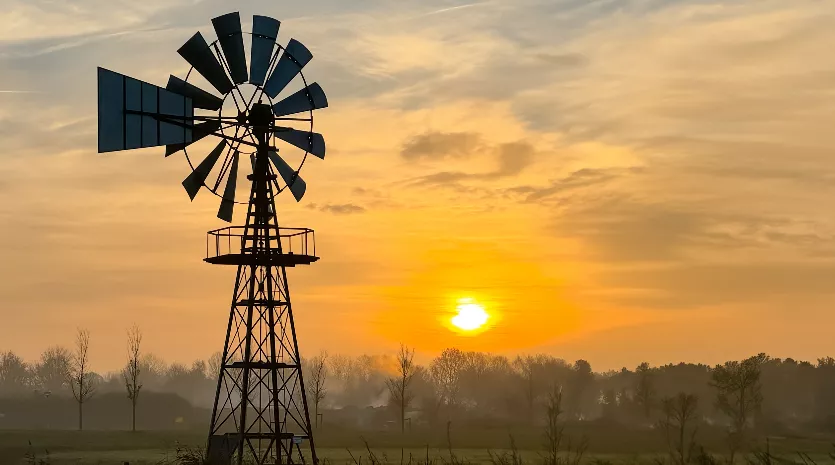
(647,182)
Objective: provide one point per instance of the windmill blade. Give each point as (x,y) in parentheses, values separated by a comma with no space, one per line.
(198,54)
(292,61)
(228,30)
(199,131)
(311,97)
(294,181)
(134,114)
(197,178)
(311,142)
(227,202)
(200,97)
(264,33)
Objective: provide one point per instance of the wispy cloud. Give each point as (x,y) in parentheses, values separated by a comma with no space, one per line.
(511,159)
(454,8)
(338,209)
(439,145)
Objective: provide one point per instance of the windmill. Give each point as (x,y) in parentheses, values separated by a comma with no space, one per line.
(260,413)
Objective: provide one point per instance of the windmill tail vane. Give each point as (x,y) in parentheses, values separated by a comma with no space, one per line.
(231,105)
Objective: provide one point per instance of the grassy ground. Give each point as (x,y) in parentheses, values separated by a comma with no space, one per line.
(348,447)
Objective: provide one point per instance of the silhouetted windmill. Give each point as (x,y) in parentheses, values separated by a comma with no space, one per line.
(260,409)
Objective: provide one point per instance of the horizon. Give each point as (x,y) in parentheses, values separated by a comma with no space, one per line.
(421,359)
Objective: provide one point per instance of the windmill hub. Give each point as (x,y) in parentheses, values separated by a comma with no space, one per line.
(261,116)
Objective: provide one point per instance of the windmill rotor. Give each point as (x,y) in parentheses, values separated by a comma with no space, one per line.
(224,117)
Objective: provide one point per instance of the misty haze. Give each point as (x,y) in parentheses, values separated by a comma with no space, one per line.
(439,232)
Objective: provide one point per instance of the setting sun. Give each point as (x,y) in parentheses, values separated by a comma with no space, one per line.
(471,316)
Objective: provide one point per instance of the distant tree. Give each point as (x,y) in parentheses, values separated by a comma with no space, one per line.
(341,367)
(446,371)
(215,361)
(609,402)
(473,378)
(824,386)
(645,388)
(425,395)
(318,375)
(739,396)
(154,372)
(531,372)
(112,382)
(789,391)
(80,378)
(132,370)
(580,387)
(14,374)
(399,385)
(190,382)
(679,425)
(525,367)
(52,371)
(359,381)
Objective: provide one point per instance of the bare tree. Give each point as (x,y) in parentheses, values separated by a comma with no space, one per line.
(318,376)
(215,361)
(340,366)
(679,426)
(132,370)
(399,385)
(79,375)
(644,389)
(558,447)
(739,396)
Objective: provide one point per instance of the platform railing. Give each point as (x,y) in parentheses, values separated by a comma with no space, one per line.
(232,241)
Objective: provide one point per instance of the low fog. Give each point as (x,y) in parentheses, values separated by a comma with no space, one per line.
(465,388)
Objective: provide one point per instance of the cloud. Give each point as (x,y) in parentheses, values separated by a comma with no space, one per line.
(512,158)
(688,285)
(439,145)
(366,191)
(582,178)
(454,8)
(338,209)
(38,20)
(563,60)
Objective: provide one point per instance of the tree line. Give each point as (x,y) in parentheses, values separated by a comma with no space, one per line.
(66,372)
(474,387)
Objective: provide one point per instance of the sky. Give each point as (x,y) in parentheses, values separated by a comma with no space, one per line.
(619,181)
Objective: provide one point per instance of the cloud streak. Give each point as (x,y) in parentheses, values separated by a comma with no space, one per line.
(338,209)
(454,8)
(512,158)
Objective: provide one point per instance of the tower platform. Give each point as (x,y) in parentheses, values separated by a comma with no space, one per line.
(234,246)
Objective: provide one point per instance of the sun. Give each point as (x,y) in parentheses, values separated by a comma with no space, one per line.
(471,316)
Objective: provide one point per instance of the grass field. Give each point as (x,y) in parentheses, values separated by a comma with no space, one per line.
(346,447)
